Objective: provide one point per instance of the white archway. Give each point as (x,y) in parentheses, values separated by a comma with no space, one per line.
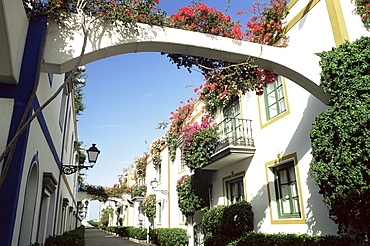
(63,47)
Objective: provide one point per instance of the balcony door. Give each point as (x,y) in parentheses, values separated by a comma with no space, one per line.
(232,124)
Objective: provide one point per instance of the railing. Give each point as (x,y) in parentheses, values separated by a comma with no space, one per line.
(235,132)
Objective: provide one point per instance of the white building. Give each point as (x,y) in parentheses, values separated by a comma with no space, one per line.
(37,199)
(265,151)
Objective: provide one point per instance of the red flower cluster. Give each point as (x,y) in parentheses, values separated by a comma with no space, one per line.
(201,18)
(363,10)
(181,116)
(179,119)
(264,76)
(127,12)
(267,27)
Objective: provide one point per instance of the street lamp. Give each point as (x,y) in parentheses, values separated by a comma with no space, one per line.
(92,156)
(154,184)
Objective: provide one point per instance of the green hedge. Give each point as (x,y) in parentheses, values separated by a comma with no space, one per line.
(138,233)
(258,238)
(227,223)
(126,231)
(119,230)
(122,231)
(94,223)
(169,237)
(71,238)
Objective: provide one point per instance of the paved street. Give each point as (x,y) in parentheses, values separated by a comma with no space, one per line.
(96,237)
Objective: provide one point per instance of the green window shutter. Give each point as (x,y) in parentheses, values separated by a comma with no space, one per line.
(274,98)
(286,189)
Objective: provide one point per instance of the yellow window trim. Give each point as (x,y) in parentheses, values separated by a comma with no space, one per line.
(182,171)
(269,122)
(267,170)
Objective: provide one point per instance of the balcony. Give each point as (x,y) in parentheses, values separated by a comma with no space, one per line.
(236,143)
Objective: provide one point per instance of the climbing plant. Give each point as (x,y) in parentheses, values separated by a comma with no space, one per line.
(363,10)
(149,205)
(79,82)
(105,214)
(193,192)
(340,137)
(155,151)
(126,12)
(98,192)
(140,167)
(178,122)
(266,25)
(225,80)
(199,144)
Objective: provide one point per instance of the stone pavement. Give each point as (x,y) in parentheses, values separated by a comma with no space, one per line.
(96,237)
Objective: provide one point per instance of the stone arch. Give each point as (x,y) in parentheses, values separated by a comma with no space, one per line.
(63,47)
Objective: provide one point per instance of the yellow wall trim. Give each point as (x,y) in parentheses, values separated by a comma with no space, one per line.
(338,24)
(291,3)
(300,15)
(335,15)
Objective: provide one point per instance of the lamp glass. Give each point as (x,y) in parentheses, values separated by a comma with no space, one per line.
(154,183)
(93,153)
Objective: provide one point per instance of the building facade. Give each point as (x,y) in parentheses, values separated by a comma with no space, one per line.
(268,166)
(264,152)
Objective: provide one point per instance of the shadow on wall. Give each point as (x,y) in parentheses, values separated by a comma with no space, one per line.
(259,204)
(99,34)
(317,215)
(314,108)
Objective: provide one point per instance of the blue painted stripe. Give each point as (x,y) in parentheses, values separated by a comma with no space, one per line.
(9,193)
(45,130)
(50,77)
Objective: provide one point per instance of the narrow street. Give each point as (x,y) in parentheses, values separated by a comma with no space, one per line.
(96,237)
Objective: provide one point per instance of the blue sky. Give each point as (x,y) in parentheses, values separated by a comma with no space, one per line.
(127,96)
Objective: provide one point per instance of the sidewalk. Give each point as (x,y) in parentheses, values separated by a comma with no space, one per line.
(96,237)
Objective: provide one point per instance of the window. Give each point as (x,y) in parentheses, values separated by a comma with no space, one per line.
(159,213)
(274,98)
(233,110)
(232,123)
(159,172)
(235,190)
(286,191)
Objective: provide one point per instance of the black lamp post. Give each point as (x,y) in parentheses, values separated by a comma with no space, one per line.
(92,156)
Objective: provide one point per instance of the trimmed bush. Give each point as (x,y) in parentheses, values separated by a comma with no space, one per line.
(227,223)
(94,223)
(258,238)
(122,231)
(102,227)
(138,233)
(169,237)
(71,238)
(119,230)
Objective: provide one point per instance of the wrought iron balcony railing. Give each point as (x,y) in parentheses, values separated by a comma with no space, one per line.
(235,132)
